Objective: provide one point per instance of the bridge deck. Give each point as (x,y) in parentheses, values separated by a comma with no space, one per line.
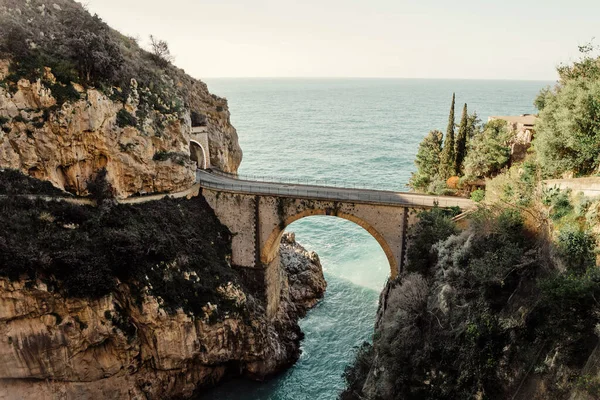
(313,192)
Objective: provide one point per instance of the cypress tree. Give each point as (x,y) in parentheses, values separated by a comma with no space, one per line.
(461,142)
(448,156)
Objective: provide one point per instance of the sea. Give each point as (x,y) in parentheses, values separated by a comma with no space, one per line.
(354,132)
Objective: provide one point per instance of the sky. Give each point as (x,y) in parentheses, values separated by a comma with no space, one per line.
(460,39)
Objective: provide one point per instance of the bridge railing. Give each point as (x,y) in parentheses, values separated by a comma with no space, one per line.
(330,193)
(333,183)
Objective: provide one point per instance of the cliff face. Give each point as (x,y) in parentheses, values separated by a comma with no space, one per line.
(492,311)
(67,145)
(306,283)
(55,347)
(77,96)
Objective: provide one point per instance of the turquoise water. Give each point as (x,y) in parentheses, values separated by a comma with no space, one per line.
(364,131)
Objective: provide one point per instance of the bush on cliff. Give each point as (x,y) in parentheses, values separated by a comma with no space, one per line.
(568,129)
(432,226)
(175,248)
(491,306)
(13,182)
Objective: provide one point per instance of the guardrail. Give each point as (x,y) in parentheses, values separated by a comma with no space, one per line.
(330,193)
(333,183)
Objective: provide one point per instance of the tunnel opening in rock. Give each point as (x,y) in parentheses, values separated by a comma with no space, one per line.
(198,154)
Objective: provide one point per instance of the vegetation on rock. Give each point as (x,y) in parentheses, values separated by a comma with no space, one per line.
(506,306)
(159,247)
(568,130)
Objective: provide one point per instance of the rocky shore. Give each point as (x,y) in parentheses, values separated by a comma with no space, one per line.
(55,347)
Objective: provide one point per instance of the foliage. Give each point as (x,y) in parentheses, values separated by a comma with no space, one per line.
(178,158)
(461,141)
(90,46)
(83,50)
(447,157)
(489,151)
(125,118)
(63,93)
(473,126)
(478,195)
(576,248)
(568,129)
(427,161)
(100,189)
(517,186)
(160,51)
(433,225)
(559,202)
(82,251)
(13,182)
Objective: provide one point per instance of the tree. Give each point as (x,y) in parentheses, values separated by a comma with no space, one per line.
(489,151)
(447,158)
(427,161)
(161,51)
(461,141)
(568,129)
(88,43)
(473,127)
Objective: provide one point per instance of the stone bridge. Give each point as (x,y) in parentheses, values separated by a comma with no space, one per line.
(257,214)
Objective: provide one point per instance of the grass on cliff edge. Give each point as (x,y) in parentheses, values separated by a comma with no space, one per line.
(84,251)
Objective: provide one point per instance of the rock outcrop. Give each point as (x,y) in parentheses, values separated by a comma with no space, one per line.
(70,143)
(52,347)
(304,273)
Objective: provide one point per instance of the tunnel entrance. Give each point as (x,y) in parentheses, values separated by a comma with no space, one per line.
(198,154)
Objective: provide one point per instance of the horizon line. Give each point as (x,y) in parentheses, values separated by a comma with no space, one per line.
(379,78)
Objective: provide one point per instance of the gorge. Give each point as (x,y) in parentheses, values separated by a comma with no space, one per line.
(149,301)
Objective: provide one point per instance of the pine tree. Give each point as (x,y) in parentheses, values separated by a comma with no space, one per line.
(460,147)
(447,159)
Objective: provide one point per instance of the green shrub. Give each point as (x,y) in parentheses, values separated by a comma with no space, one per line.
(64,93)
(577,250)
(20,118)
(433,226)
(4,120)
(178,158)
(124,118)
(152,245)
(478,195)
(488,152)
(559,202)
(568,129)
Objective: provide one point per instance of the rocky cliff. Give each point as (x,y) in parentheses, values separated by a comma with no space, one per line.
(491,311)
(115,347)
(77,96)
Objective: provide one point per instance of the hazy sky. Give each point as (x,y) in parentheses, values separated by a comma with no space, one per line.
(510,39)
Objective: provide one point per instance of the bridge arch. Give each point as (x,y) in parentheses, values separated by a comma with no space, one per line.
(270,249)
(198,154)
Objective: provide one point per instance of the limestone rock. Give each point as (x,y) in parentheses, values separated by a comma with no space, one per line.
(68,144)
(53,347)
(305,274)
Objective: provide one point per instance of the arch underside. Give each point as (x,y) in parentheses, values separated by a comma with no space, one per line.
(271,246)
(198,154)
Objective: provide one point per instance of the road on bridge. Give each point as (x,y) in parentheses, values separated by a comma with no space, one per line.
(228,183)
